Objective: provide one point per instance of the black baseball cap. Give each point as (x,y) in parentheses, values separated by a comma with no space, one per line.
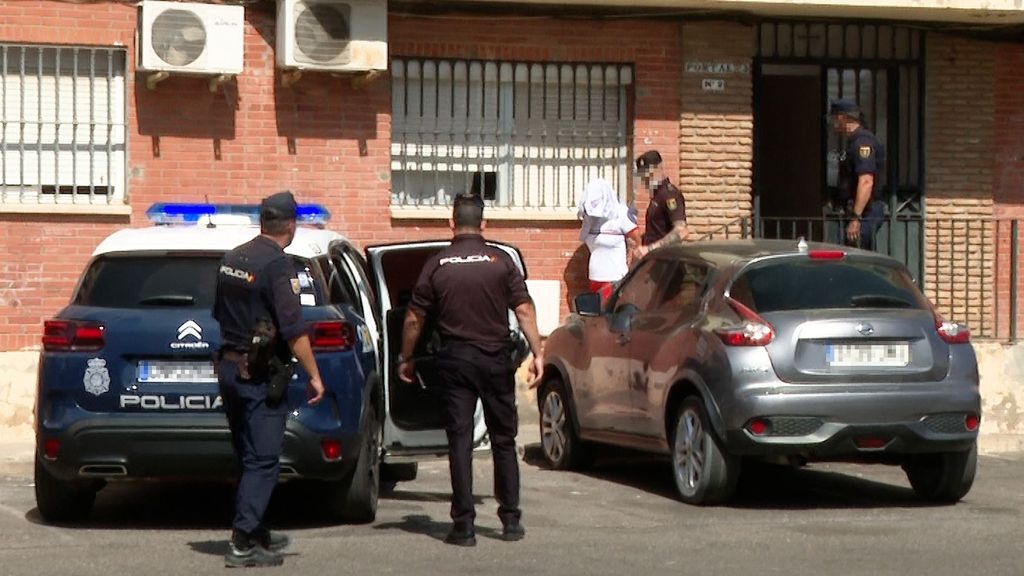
(280,206)
(844,107)
(647,159)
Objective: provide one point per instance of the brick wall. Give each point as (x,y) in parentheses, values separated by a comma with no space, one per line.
(324,137)
(959,141)
(716,148)
(1008,171)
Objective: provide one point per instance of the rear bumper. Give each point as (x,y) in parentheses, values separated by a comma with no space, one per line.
(178,446)
(848,423)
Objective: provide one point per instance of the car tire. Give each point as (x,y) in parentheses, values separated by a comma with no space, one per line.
(703,471)
(945,477)
(60,501)
(354,499)
(562,447)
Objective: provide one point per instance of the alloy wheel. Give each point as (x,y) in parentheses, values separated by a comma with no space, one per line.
(553,427)
(688,456)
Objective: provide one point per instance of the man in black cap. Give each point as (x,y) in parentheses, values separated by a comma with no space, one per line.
(257,306)
(468,289)
(666,214)
(861,164)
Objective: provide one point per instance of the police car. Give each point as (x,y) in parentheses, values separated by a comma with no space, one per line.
(127,387)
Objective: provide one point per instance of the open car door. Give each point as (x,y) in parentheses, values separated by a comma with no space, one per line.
(414,424)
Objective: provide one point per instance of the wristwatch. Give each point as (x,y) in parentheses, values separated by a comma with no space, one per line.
(402,359)
(856,216)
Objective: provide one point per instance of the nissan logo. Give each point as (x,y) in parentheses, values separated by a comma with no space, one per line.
(865,329)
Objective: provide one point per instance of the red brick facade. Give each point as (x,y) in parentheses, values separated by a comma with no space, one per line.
(328,138)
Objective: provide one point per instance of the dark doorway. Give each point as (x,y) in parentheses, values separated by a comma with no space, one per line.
(789,144)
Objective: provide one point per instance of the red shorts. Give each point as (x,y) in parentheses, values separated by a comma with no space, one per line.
(602,288)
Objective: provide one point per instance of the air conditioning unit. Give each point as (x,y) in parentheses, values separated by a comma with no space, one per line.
(190,38)
(333,35)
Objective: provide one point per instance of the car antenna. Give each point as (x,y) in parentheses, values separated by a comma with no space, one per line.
(209,217)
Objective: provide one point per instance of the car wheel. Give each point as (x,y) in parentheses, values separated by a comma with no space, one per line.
(945,477)
(60,501)
(562,448)
(704,473)
(355,497)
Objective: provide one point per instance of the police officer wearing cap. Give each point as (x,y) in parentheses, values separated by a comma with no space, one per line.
(861,164)
(257,306)
(467,289)
(666,213)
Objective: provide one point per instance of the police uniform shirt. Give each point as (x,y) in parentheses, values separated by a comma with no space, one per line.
(864,155)
(255,277)
(667,207)
(469,287)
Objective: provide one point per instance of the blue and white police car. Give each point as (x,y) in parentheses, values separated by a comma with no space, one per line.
(127,388)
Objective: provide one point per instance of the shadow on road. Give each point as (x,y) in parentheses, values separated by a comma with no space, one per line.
(761,486)
(426,526)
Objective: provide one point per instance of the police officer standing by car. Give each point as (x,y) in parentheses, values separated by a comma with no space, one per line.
(861,163)
(666,214)
(257,306)
(467,290)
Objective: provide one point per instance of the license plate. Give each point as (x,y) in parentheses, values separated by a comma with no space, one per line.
(176,371)
(893,354)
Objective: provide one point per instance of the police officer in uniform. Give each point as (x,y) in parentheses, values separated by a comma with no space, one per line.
(257,306)
(666,214)
(860,166)
(467,290)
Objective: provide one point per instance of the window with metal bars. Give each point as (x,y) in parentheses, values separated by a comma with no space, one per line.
(62,131)
(523,135)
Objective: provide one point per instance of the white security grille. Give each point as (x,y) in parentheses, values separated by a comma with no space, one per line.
(62,131)
(524,135)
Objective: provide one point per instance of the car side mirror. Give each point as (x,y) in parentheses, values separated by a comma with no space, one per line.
(588,304)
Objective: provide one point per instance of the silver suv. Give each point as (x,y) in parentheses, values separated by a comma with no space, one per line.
(717,352)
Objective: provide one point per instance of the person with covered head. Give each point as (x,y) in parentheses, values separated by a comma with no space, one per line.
(608,229)
(862,162)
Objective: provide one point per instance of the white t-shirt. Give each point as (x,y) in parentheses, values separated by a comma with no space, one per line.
(608,248)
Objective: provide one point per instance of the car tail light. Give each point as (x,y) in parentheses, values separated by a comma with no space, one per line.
(826,255)
(758,426)
(71,335)
(951,332)
(755,331)
(971,422)
(331,449)
(51,446)
(333,335)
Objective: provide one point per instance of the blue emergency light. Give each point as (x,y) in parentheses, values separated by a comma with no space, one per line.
(190,214)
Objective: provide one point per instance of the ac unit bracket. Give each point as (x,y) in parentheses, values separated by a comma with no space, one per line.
(154,78)
(290,77)
(366,78)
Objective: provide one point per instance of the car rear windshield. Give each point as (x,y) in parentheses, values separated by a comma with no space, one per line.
(166,280)
(803,284)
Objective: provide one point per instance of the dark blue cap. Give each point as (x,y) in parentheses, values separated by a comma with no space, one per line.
(280,206)
(844,107)
(648,159)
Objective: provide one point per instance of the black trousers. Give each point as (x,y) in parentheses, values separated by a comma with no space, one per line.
(257,434)
(466,373)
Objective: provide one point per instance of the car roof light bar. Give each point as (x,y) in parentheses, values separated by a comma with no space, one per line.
(166,213)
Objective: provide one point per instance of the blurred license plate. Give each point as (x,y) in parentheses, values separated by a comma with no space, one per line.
(176,371)
(894,354)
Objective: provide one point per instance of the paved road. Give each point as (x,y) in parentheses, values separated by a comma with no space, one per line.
(619,519)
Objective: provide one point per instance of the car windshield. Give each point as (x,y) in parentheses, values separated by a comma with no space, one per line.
(169,280)
(803,284)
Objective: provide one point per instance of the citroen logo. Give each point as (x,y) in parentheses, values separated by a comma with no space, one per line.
(865,329)
(190,328)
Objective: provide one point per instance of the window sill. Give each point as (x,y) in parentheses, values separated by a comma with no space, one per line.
(84,209)
(445,212)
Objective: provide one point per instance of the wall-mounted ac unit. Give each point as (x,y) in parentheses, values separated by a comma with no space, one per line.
(333,35)
(190,38)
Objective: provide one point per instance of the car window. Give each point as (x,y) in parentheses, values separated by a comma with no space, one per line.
(642,288)
(141,281)
(337,290)
(804,284)
(683,287)
(312,284)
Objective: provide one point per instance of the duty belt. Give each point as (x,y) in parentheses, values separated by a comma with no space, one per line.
(238,358)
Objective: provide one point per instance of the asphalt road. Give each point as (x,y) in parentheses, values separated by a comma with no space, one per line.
(621,518)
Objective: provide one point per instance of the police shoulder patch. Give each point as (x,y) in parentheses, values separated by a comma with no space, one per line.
(864,151)
(295,285)
(671,203)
